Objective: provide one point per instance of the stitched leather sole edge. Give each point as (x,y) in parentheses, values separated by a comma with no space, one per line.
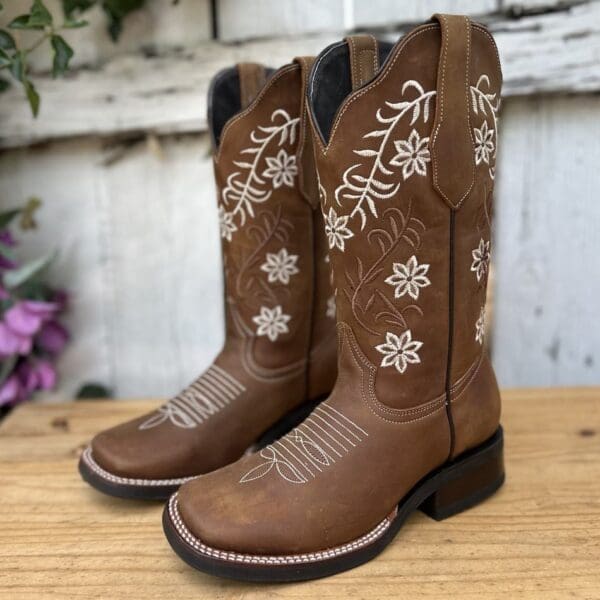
(456,486)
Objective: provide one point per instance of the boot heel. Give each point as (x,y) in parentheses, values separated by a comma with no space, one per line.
(468,480)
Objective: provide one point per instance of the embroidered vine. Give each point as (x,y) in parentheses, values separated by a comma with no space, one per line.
(247,186)
(412,155)
(485,104)
(374,309)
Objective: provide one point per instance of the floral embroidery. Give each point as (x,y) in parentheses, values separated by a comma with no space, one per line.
(282,169)
(484,145)
(206,396)
(226,224)
(480,326)
(324,437)
(245,187)
(485,103)
(412,155)
(331,307)
(363,191)
(336,229)
(481,259)
(408,278)
(280,266)
(271,322)
(399,351)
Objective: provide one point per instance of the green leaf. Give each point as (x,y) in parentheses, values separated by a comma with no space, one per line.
(71,7)
(5,59)
(4,85)
(28,272)
(71,24)
(7,216)
(62,55)
(93,391)
(22,22)
(17,66)
(32,96)
(39,16)
(7,42)
(117,10)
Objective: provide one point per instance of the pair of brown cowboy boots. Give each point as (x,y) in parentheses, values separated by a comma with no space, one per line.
(369,173)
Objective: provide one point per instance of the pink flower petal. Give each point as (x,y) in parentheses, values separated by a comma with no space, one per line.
(46,375)
(52,337)
(21,320)
(10,391)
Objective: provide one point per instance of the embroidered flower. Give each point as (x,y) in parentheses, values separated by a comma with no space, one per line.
(271,322)
(330,307)
(408,278)
(484,144)
(481,258)
(480,326)
(282,169)
(280,266)
(226,223)
(336,229)
(399,351)
(412,155)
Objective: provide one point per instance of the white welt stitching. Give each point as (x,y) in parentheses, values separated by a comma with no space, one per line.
(262,559)
(94,466)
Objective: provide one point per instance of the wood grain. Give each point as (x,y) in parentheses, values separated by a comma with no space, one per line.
(539,537)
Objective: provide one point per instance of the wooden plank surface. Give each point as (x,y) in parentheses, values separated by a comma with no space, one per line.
(549,53)
(538,538)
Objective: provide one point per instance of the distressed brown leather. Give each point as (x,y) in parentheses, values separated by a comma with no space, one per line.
(364,58)
(257,378)
(392,417)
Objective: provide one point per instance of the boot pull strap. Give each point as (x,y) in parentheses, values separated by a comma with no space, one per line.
(305,157)
(364,58)
(452,142)
(252,79)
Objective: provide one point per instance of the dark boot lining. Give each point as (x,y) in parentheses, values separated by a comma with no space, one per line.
(331,83)
(224,100)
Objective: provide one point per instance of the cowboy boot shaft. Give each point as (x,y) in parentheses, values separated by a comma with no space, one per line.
(410,266)
(278,357)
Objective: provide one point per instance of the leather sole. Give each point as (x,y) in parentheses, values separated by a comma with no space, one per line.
(161,489)
(456,486)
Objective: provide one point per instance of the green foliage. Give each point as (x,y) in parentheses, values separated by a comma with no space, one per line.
(14,58)
(93,391)
(62,55)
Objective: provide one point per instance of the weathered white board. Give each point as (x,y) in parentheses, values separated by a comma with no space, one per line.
(557,52)
(546,329)
(138,251)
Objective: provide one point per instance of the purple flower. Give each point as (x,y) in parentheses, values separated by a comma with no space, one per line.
(6,238)
(36,375)
(46,375)
(10,391)
(6,264)
(4,295)
(52,337)
(26,317)
(12,342)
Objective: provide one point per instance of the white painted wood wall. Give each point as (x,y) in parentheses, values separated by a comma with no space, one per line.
(120,157)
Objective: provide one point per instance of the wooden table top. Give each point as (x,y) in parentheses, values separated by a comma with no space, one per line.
(539,537)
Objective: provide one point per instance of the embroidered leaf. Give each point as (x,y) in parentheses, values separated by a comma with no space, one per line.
(290,473)
(372,134)
(257,472)
(153,421)
(365,152)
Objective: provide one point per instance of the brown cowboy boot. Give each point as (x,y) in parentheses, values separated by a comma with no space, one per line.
(279,356)
(405,156)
